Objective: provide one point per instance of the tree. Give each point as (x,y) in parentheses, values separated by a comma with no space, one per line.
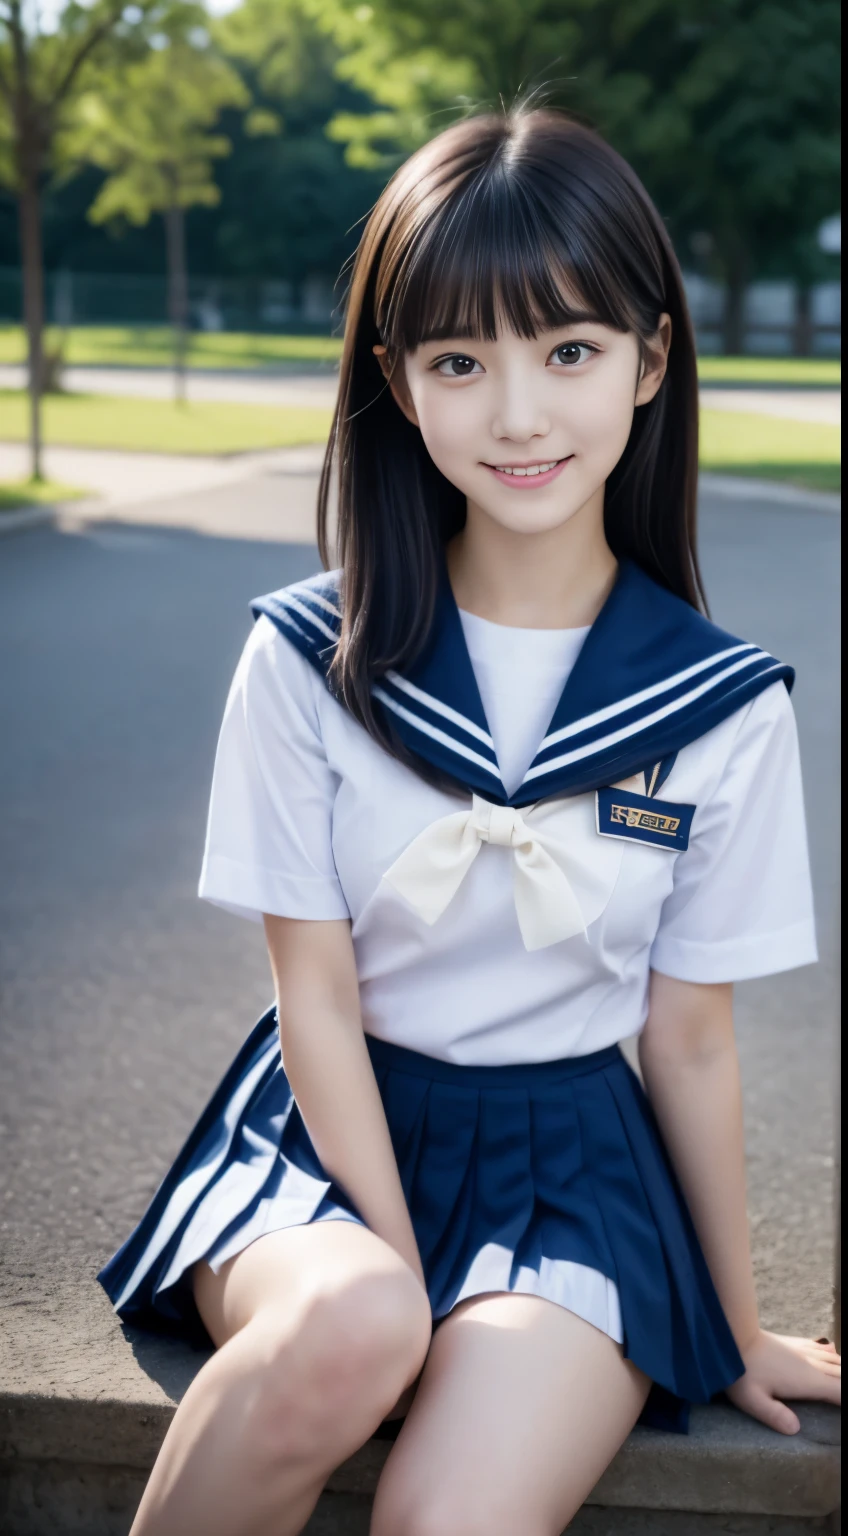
(292,203)
(728,108)
(41,75)
(149,127)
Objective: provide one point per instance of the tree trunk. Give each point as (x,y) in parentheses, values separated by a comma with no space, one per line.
(177,294)
(29,216)
(803,337)
(734,260)
(734,315)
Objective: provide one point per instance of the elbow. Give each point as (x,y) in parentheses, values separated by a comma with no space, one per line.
(689,1025)
(687,1051)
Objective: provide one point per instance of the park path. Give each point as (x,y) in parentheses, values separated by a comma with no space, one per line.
(145,486)
(318,387)
(123,997)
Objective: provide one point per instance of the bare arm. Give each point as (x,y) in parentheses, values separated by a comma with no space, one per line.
(690,1064)
(329,1069)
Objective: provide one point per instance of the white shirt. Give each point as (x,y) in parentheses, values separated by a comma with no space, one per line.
(308,813)
(520,674)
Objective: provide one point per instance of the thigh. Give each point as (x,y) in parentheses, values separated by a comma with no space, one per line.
(520,1407)
(284,1273)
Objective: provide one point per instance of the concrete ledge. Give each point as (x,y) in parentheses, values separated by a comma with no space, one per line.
(727,1464)
(76,1465)
(85,1404)
(61,1499)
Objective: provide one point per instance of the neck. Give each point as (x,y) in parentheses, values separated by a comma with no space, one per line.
(558,579)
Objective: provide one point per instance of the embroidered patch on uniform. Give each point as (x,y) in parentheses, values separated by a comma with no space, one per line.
(636,818)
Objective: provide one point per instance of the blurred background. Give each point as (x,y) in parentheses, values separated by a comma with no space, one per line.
(184,184)
(180,187)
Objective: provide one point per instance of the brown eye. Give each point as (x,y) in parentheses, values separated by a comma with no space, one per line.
(457,366)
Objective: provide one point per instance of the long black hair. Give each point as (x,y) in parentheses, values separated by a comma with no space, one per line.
(504,219)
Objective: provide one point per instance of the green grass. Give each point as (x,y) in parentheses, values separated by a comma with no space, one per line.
(803,453)
(140,346)
(160,426)
(15,494)
(823,372)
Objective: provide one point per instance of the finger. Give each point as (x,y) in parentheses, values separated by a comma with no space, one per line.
(819,1385)
(817,1370)
(770,1411)
(825,1362)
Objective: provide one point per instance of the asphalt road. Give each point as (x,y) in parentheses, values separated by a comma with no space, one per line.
(122,997)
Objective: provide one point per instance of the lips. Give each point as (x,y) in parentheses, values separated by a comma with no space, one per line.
(525,469)
(528,476)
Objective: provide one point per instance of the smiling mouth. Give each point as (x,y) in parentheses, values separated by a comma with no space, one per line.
(525,469)
(529,474)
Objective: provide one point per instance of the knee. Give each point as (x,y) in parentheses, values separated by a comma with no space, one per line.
(341,1363)
(367,1336)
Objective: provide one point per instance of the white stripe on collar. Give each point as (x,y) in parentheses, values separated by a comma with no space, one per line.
(622,705)
(439,708)
(600,745)
(323,602)
(306,613)
(435,734)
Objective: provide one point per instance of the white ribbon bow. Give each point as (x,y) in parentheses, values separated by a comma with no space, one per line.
(429,872)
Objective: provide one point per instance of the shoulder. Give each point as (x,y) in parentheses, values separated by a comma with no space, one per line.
(307,614)
(764,723)
(274,686)
(749,752)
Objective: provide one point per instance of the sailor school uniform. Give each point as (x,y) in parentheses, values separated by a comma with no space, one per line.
(615,800)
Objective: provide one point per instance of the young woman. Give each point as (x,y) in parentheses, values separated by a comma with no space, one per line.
(503,797)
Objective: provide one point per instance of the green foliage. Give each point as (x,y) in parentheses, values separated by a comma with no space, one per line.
(43,72)
(149,126)
(728,108)
(291,205)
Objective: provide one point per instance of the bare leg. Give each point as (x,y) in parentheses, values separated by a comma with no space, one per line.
(319,1328)
(520,1407)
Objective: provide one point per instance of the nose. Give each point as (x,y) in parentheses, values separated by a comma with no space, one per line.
(519,415)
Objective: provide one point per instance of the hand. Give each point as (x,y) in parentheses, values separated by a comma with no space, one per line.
(778,1367)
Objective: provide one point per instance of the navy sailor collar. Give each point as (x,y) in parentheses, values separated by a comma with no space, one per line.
(652,676)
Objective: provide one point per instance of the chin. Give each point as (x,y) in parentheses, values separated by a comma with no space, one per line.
(528,519)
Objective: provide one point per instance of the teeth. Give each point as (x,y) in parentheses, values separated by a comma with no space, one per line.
(532,469)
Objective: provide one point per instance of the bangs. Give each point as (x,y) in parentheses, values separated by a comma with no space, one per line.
(508,249)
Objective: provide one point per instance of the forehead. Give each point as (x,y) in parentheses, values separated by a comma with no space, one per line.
(506,337)
(479,272)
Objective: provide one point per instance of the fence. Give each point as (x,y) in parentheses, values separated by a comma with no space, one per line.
(772,312)
(774,317)
(215,304)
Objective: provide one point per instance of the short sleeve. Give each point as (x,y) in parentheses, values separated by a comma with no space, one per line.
(269,831)
(741,904)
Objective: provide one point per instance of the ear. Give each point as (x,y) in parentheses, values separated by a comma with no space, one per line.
(655,363)
(395,377)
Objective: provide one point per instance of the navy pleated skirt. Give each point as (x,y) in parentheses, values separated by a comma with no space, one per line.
(537,1163)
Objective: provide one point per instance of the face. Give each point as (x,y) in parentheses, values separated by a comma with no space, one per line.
(530,430)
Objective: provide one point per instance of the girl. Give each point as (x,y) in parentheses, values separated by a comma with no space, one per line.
(503,797)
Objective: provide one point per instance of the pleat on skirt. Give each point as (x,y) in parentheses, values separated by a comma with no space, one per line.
(518,1178)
